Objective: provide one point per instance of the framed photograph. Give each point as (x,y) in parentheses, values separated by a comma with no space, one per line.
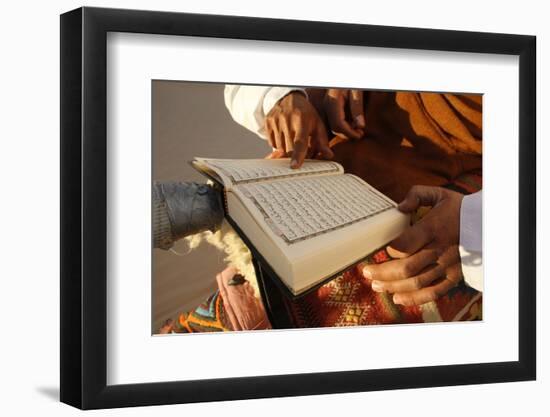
(259,208)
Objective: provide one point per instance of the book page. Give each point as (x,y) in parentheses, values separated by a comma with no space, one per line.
(302,208)
(240,171)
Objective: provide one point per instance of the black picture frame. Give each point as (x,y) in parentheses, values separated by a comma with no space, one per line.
(84,207)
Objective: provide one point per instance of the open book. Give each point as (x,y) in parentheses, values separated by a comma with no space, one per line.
(308,224)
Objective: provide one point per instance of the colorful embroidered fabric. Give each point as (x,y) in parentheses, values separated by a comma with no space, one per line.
(209,316)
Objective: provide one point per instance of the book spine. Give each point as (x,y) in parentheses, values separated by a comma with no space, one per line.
(225,208)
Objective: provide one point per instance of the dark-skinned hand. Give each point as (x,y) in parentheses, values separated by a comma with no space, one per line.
(294,128)
(345,112)
(426,262)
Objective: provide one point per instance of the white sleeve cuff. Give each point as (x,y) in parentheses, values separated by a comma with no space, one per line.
(470,247)
(274,94)
(249,104)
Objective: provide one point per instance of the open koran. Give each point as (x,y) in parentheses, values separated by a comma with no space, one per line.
(309,223)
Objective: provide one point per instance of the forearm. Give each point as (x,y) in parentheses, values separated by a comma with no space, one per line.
(184,208)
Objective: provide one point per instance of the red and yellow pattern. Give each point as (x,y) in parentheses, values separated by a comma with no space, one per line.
(348,300)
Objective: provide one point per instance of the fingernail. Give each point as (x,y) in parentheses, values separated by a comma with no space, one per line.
(396,299)
(366,273)
(376,286)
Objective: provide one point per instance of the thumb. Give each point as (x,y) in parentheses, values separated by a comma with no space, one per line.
(420,195)
(326,152)
(322,139)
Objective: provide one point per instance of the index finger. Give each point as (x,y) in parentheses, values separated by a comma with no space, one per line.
(300,149)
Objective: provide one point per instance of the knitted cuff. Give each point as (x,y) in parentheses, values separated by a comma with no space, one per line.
(162,231)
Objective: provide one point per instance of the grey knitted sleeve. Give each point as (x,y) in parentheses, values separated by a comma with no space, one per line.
(184,208)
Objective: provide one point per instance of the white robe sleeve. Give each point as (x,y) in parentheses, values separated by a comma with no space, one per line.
(249,105)
(470,247)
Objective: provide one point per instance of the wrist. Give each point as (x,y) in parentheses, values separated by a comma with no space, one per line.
(276,95)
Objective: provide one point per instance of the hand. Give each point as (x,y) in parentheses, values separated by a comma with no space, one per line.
(167,327)
(428,262)
(338,103)
(294,127)
(244,310)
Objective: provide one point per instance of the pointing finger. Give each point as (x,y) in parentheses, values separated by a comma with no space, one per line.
(300,149)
